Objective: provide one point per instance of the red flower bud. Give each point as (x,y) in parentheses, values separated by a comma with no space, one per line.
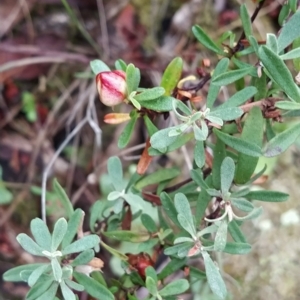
(140,262)
(111,87)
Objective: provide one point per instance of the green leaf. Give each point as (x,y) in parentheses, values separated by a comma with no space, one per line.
(197,176)
(196,273)
(67,292)
(73,225)
(213,90)
(172,75)
(242,65)
(293,5)
(247,26)
(93,287)
(41,233)
(87,242)
(41,288)
(74,285)
(59,231)
(183,247)
(56,269)
(267,196)
(253,42)
(282,141)
(120,65)
(205,40)
(174,265)
(238,98)
(288,105)
(232,247)
(115,172)
(127,236)
(237,248)
(169,207)
(202,202)
(134,201)
(256,212)
(238,144)
(150,94)
(296,61)
(161,139)
(271,42)
(151,128)
(148,223)
(261,85)
(14,273)
(227,174)
(199,154)
(184,138)
(63,197)
(236,233)
(5,195)
(96,213)
(125,136)
(284,13)
(214,277)
(228,113)
(295,53)
(279,72)
(151,286)
(289,32)
(162,104)
(36,274)
(221,237)
(150,272)
(253,131)
(185,217)
(133,78)
(219,155)
(114,252)
(83,258)
(29,106)
(175,288)
(98,66)
(157,177)
(230,76)
(242,204)
(29,245)
(147,245)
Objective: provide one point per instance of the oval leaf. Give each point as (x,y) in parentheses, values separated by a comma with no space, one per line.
(231,76)
(87,242)
(175,288)
(93,287)
(253,131)
(289,32)
(267,196)
(171,75)
(238,144)
(214,277)
(127,132)
(98,66)
(282,141)
(29,245)
(41,233)
(213,91)
(205,40)
(279,72)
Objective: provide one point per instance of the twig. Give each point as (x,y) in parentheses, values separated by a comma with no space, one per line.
(104,31)
(268,102)
(243,35)
(31,61)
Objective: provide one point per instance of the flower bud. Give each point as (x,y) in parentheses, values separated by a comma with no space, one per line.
(112,87)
